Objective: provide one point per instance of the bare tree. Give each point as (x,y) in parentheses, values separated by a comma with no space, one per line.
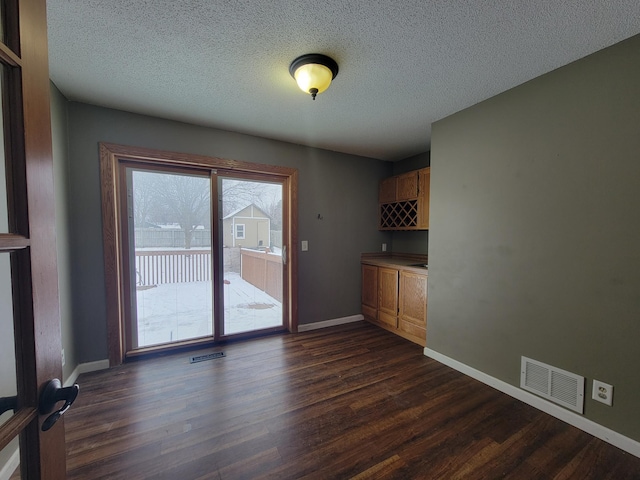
(237,194)
(143,198)
(162,198)
(187,199)
(166,197)
(271,204)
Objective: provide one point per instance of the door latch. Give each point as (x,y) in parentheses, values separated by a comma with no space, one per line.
(8,403)
(53,393)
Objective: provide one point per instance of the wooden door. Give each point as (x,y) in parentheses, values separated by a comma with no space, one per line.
(28,268)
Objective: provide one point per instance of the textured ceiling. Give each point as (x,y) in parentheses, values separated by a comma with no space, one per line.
(403,64)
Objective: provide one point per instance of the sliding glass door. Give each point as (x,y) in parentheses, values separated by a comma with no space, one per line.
(198,269)
(252,254)
(169,256)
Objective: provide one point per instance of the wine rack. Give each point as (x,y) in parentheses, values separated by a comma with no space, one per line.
(399,215)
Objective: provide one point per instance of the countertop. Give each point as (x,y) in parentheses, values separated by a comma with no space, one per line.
(401,261)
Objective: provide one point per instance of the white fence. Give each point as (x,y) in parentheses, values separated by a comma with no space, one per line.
(172,266)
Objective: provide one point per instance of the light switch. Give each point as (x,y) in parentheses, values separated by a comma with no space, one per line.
(305,245)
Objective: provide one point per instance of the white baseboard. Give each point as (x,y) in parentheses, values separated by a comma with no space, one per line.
(603,433)
(8,468)
(330,323)
(84,368)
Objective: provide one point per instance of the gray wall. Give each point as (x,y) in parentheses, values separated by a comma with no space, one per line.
(59,133)
(535,236)
(343,189)
(415,162)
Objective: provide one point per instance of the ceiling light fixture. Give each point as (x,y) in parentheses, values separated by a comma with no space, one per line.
(313,72)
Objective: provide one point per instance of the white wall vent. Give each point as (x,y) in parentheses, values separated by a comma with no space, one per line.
(559,386)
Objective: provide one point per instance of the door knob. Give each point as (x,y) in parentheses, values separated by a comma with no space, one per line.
(8,403)
(53,393)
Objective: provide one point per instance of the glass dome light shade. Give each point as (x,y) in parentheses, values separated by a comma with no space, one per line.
(313,75)
(313,72)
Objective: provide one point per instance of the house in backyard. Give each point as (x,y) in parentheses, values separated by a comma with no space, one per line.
(248,227)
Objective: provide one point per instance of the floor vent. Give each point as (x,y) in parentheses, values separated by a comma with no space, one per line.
(559,386)
(205,357)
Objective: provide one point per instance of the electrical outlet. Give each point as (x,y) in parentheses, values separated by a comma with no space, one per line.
(602,392)
(384,247)
(63,359)
(305,245)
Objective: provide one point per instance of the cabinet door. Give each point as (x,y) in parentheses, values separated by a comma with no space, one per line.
(388,295)
(407,186)
(370,285)
(369,291)
(387,190)
(413,304)
(424,179)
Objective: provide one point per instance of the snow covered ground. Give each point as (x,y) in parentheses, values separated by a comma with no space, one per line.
(180,311)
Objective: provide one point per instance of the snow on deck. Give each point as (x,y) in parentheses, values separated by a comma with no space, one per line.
(180,311)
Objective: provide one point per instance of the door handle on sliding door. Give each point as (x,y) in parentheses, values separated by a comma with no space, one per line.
(53,393)
(284,254)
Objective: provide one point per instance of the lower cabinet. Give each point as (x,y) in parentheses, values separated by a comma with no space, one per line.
(370,292)
(412,310)
(388,296)
(396,300)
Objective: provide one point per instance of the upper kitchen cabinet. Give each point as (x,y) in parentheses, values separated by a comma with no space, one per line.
(387,190)
(408,186)
(404,201)
(424,178)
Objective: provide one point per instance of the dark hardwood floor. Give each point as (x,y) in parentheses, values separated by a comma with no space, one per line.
(344,402)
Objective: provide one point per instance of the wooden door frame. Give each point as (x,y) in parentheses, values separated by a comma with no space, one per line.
(113,157)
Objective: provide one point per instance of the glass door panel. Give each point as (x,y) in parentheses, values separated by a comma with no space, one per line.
(4,210)
(9,455)
(170,257)
(8,385)
(10,460)
(252,255)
